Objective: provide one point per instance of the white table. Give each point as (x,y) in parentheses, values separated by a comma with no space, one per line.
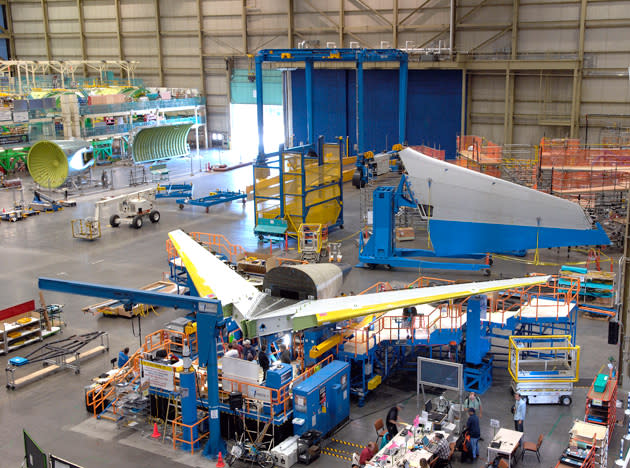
(509,440)
(401,441)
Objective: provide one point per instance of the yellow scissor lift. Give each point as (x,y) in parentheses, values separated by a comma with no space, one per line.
(312,239)
(544,368)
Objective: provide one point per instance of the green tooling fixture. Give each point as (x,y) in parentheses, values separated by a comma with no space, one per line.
(158,143)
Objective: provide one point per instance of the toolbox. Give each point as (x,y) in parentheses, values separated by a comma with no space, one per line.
(285,454)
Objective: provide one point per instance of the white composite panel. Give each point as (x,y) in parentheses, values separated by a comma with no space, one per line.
(460,194)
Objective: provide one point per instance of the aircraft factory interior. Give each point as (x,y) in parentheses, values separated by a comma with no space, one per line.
(336,233)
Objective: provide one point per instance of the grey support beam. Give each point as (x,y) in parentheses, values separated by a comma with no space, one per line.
(515,11)
(443,30)
(342,21)
(395,25)
(469,103)
(374,12)
(577,77)
(202,66)
(291,24)
(229,66)
(416,10)
(244,25)
(121,55)
(508,114)
(158,41)
(7,9)
(46,28)
(462,125)
(81,20)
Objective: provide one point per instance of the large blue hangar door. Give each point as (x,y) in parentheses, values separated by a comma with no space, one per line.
(434,105)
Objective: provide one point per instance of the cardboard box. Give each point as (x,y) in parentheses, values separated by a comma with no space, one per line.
(405,234)
(256,263)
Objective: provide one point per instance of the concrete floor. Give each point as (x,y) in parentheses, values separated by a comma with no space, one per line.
(53,411)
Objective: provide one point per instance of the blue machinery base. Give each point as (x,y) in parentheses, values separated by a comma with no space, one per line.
(381,249)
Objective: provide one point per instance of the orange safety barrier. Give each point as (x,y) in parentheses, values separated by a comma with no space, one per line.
(433,152)
(582,172)
(105,394)
(178,433)
(450,316)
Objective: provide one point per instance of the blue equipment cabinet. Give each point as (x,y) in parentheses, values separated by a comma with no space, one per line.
(278,376)
(322,402)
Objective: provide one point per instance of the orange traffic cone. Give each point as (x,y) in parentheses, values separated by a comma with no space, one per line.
(156,434)
(220,463)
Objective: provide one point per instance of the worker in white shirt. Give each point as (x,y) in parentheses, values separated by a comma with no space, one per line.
(520,408)
(231,351)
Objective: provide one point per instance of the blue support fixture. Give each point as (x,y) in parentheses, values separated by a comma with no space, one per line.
(209,315)
(380,249)
(478,365)
(207,344)
(216,198)
(187,383)
(174,191)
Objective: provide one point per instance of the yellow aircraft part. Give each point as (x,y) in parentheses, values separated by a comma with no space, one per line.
(345,314)
(202,288)
(374,382)
(317,351)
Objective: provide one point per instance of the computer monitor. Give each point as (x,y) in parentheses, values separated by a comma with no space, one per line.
(425,441)
(428,406)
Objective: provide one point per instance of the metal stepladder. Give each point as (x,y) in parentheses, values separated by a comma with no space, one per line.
(174,403)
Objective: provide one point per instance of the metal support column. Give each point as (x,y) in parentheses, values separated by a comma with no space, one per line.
(310,124)
(360,122)
(207,346)
(244,26)
(46,29)
(202,73)
(342,21)
(395,25)
(82,36)
(158,41)
(259,108)
(462,124)
(577,82)
(7,11)
(625,298)
(121,55)
(291,24)
(403,77)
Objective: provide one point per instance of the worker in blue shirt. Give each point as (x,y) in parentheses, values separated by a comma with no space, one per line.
(520,408)
(123,357)
(473,430)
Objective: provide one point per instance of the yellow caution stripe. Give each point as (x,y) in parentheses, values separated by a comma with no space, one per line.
(330,454)
(351,444)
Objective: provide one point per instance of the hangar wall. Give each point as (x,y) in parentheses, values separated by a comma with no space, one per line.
(531,67)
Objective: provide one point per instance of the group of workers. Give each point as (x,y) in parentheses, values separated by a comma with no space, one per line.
(440,446)
(249,352)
